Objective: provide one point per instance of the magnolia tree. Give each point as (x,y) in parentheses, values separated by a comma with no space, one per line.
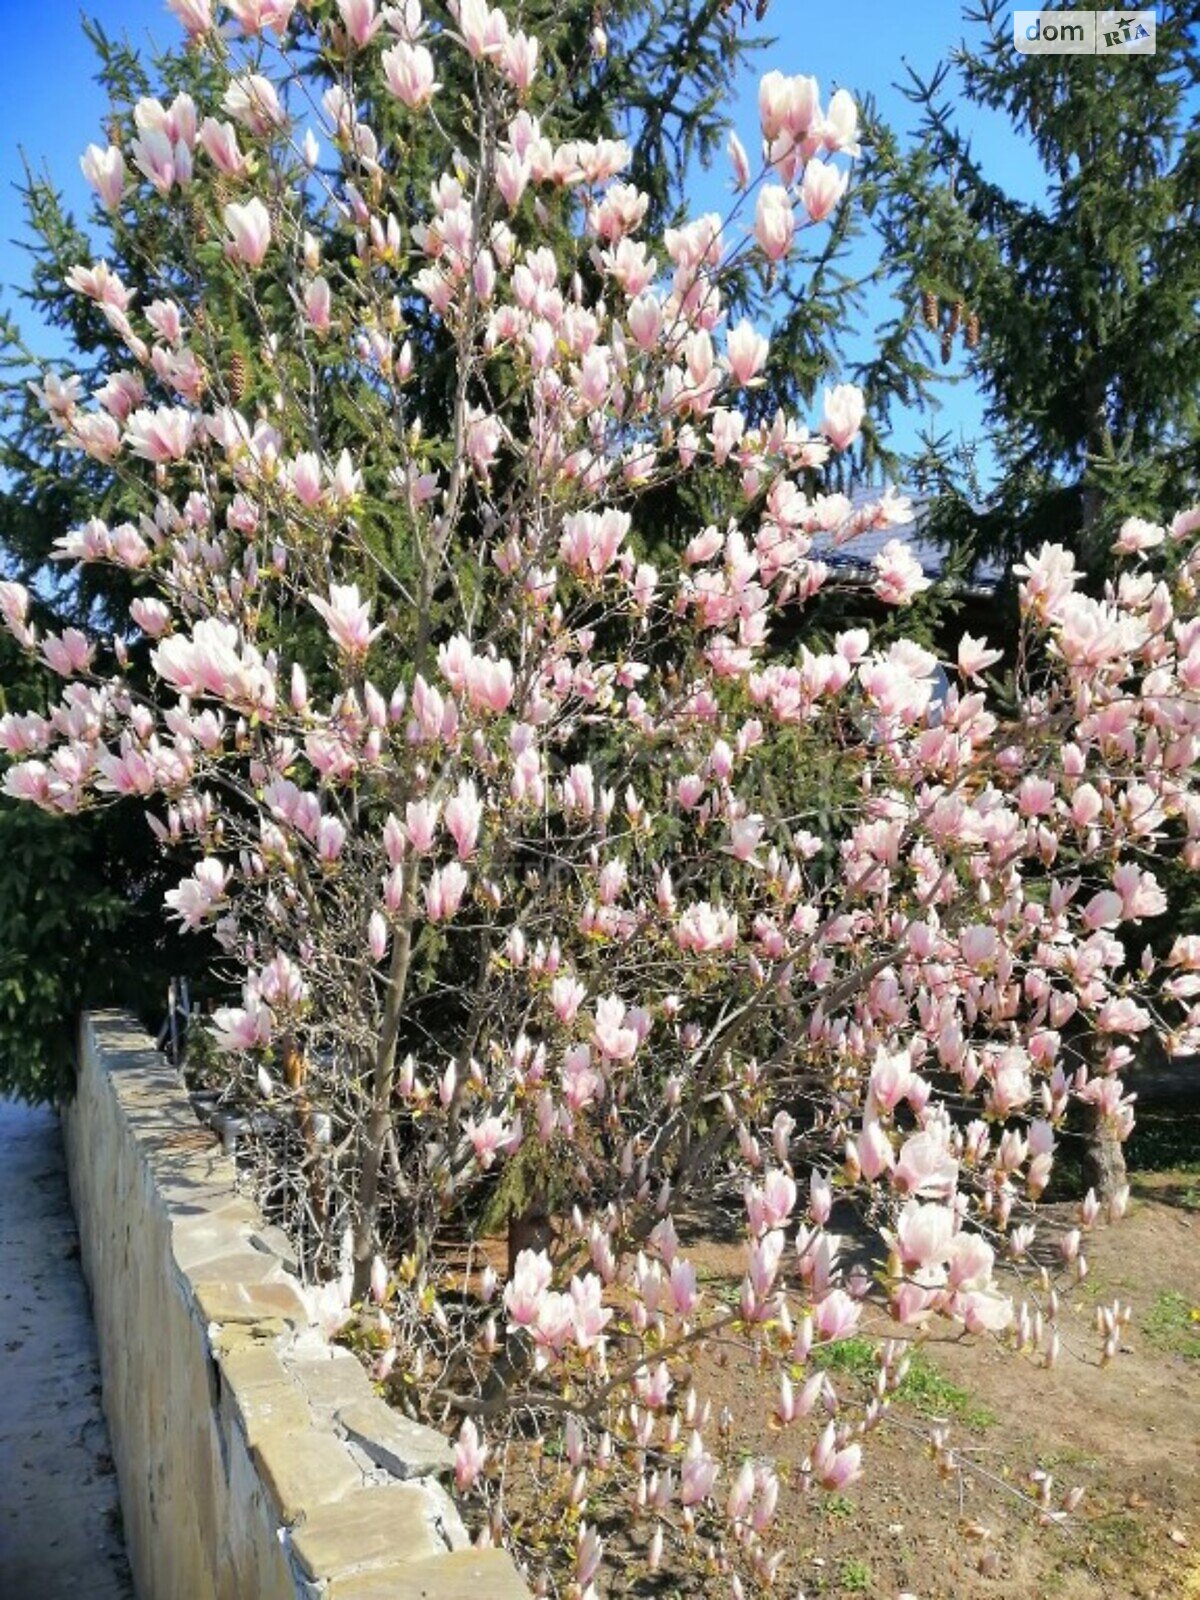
(485,788)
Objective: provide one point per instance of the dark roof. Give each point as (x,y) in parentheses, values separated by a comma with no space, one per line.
(856,555)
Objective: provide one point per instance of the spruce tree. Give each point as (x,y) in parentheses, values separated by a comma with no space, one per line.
(1076,311)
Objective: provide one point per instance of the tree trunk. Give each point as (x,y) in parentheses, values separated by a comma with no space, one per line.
(377,1132)
(295,1071)
(1103,1156)
(530,1229)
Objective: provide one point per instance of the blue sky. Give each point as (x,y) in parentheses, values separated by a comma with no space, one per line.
(53,109)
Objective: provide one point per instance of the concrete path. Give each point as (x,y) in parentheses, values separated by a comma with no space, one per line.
(60,1520)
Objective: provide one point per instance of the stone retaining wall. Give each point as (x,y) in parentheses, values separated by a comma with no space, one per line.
(255,1460)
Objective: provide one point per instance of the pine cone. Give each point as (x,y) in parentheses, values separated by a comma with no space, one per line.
(971,338)
(929,309)
(947,345)
(237,377)
(956,316)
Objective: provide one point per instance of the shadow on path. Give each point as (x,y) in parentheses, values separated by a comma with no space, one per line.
(60,1518)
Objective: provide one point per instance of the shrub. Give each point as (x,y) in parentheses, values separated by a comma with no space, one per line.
(485,806)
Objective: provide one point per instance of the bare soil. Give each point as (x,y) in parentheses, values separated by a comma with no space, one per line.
(1129,1434)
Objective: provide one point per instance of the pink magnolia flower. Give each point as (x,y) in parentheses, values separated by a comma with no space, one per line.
(1050,577)
(645,318)
(104,169)
(704,927)
(591,540)
(162,163)
(1035,797)
(1122,1015)
(484,434)
(617,1041)
(330,840)
(698,1473)
(1138,535)
(214,661)
(444,892)
(14,603)
(980,945)
(770,1205)
(281,984)
(925,1166)
(589,1550)
(470,1456)
(1011,1085)
(489,684)
(68,654)
(487,1137)
(362,23)
(974,657)
(165,434)
(567,994)
(303,476)
(249,228)
(195,898)
(835,1468)
(822,189)
(513,172)
(744,835)
(763,1259)
(29,780)
(529,1283)
(739,161)
(463,814)
(421,822)
(1141,893)
(746,351)
(845,406)
(682,1289)
(251,100)
(318,304)
(774,101)
(840,127)
(924,1234)
(836,1316)
(410,74)
(98,434)
(971,1260)
(589,1316)
(482,29)
(581,1083)
(22,735)
(774,222)
(254,16)
(788,106)
(519,59)
(900,576)
(247,1027)
(194,15)
(983,1310)
(891,1078)
(1103,910)
(121,393)
(219,141)
(348,617)
(873,1151)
